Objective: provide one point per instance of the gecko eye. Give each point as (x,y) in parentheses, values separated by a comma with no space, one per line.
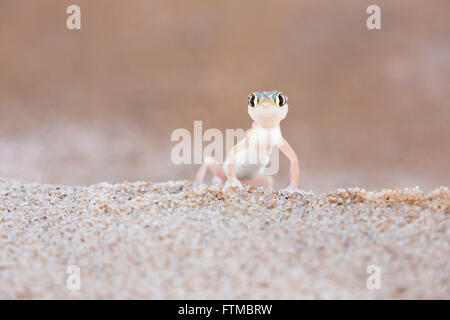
(252,100)
(281,99)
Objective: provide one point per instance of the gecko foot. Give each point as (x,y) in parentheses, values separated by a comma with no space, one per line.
(292,189)
(233,183)
(198,185)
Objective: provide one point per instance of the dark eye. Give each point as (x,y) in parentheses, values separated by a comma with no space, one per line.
(252,100)
(281,99)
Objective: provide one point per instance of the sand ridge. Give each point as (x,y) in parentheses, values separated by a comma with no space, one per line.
(165,240)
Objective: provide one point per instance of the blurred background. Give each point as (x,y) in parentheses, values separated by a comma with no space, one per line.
(367,108)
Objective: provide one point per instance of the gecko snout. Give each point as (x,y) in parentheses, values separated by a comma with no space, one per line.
(265,104)
(266,107)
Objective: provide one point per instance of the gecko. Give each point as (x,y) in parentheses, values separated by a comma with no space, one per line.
(248,158)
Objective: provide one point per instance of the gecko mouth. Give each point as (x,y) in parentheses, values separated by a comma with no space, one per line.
(266,111)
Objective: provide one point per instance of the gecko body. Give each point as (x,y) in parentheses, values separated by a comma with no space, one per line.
(250,162)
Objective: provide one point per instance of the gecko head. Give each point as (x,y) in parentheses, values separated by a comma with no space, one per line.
(267,108)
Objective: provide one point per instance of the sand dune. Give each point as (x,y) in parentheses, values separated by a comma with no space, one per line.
(164,240)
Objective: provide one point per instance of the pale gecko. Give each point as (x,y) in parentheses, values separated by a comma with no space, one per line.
(248,158)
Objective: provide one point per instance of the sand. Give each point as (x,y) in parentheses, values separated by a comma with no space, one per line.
(164,240)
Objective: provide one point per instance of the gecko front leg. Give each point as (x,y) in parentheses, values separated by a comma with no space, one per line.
(294,170)
(232,181)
